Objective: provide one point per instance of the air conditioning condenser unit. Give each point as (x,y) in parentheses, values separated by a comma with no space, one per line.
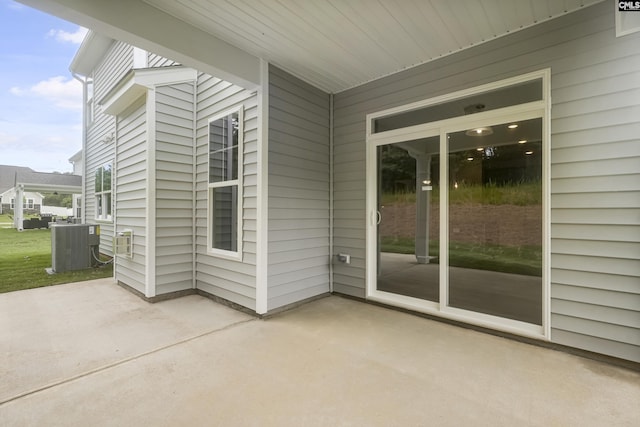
(74,246)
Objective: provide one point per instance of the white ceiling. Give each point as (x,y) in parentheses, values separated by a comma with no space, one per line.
(338,44)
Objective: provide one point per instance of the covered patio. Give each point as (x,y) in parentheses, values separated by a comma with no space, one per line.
(92,353)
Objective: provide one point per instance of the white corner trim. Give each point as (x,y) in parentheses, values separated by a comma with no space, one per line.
(137,82)
(150,249)
(331,191)
(114,198)
(262,234)
(194,183)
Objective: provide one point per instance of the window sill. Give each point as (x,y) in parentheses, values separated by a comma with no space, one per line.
(219,253)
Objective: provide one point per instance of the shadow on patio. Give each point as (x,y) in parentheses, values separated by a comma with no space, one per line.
(92,353)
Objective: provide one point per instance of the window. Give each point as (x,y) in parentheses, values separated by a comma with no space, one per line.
(29,203)
(516,94)
(224,187)
(103,192)
(13,203)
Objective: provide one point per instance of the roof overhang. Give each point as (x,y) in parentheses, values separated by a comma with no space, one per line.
(91,52)
(76,157)
(138,81)
(333,45)
(149,28)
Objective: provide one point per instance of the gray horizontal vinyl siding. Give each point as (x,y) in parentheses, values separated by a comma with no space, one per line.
(131,184)
(116,63)
(595,166)
(174,187)
(595,172)
(298,248)
(159,61)
(233,280)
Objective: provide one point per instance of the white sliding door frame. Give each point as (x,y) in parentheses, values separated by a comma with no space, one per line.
(521,112)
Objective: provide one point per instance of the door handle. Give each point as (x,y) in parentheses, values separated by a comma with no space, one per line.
(378,217)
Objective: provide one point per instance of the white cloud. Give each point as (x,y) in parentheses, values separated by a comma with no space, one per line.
(65,36)
(16,91)
(62,92)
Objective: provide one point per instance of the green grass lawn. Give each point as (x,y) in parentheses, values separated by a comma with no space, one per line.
(24,257)
(6,219)
(521,194)
(525,260)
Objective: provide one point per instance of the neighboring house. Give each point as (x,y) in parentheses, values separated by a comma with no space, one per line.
(20,189)
(78,165)
(8,192)
(275,189)
(32,202)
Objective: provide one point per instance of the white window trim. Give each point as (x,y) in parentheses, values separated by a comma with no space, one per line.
(30,203)
(100,218)
(221,253)
(529,110)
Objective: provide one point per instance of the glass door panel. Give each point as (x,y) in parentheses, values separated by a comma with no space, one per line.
(495,220)
(408,218)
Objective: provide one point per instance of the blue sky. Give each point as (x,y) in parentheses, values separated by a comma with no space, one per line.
(40,102)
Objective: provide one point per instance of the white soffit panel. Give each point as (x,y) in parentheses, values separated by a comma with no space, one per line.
(339,44)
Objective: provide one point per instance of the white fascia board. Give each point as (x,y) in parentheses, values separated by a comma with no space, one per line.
(50,188)
(161,76)
(76,157)
(121,98)
(90,53)
(137,82)
(147,27)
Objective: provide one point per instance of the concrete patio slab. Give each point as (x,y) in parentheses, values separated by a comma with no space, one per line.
(333,361)
(51,334)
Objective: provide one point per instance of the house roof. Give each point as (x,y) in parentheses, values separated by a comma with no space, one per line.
(10,176)
(332,44)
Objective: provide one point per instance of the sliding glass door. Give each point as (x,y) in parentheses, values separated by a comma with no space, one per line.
(408,218)
(495,220)
(458,223)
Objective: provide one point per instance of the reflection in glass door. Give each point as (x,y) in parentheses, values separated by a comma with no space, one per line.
(495,220)
(408,218)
